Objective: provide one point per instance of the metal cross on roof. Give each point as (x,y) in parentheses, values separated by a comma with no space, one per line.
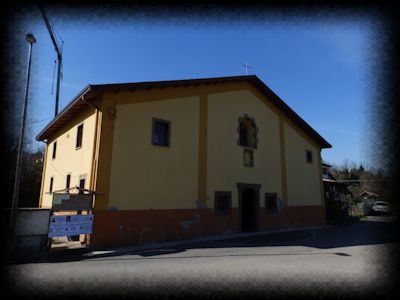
(247,66)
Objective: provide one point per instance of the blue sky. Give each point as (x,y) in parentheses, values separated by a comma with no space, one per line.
(320,69)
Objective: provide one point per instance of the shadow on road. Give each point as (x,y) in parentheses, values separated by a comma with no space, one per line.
(356,233)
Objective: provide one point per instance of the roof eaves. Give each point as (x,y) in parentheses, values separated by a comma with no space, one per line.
(84,91)
(168,83)
(275,99)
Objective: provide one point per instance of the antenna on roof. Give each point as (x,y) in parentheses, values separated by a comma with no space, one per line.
(246,66)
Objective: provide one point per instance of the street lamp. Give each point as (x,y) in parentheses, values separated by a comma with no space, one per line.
(31,40)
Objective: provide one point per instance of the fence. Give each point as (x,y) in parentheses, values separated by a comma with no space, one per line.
(357,210)
(30,232)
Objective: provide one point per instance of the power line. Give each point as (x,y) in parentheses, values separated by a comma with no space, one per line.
(62,41)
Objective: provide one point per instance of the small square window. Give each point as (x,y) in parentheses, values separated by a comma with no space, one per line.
(79,136)
(54,150)
(309,157)
(222,202)
(271,202)
(160,132)
(248,159)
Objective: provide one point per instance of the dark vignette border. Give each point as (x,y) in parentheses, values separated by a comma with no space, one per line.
(384,103)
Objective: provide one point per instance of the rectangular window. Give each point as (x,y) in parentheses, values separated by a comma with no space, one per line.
(309,157)
(51,184)
(243,140)
(79,136)
(54,150)
(81,185)
(68,183)
(248,159)
(271,202)
(222,202)
(160,132)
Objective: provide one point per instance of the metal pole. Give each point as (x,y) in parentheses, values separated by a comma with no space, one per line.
(14,205)
(59,54)
(59,58)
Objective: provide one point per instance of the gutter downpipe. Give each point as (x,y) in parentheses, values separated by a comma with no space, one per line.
(94,157)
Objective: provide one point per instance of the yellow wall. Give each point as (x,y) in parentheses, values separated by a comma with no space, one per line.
(69,160)
(145,176)
(131,173)
(303,178)
(225,157)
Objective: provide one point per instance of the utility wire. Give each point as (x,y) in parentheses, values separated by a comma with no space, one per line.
(58,36)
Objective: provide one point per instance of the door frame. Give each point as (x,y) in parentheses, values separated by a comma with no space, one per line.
(256,189)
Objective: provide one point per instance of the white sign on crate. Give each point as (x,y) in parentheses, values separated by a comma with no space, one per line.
(70,225)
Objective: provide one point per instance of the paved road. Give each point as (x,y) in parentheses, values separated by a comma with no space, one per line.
(355,259)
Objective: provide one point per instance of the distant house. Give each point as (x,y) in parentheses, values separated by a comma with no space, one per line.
(173,160)
(371,195)
(333,189)
(325,172)
(368,198)
(335,192)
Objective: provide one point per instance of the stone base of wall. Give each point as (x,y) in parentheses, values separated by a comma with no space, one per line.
(139,227)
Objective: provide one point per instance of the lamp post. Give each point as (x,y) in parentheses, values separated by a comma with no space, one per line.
(31,40)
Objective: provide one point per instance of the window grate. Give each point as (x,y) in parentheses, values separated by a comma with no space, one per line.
(222,202)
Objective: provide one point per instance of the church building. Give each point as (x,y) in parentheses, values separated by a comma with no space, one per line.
(174,160)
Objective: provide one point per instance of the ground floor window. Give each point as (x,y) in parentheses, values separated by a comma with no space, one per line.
(68,183)
(271,202)
(82,181)
(222,202)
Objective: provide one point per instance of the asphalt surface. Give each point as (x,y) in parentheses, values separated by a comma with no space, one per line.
(354,259)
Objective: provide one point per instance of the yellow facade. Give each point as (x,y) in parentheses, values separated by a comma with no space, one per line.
(150,193)
(303,178)
(69,159)
(225,166)
(146,176)
(129,173)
